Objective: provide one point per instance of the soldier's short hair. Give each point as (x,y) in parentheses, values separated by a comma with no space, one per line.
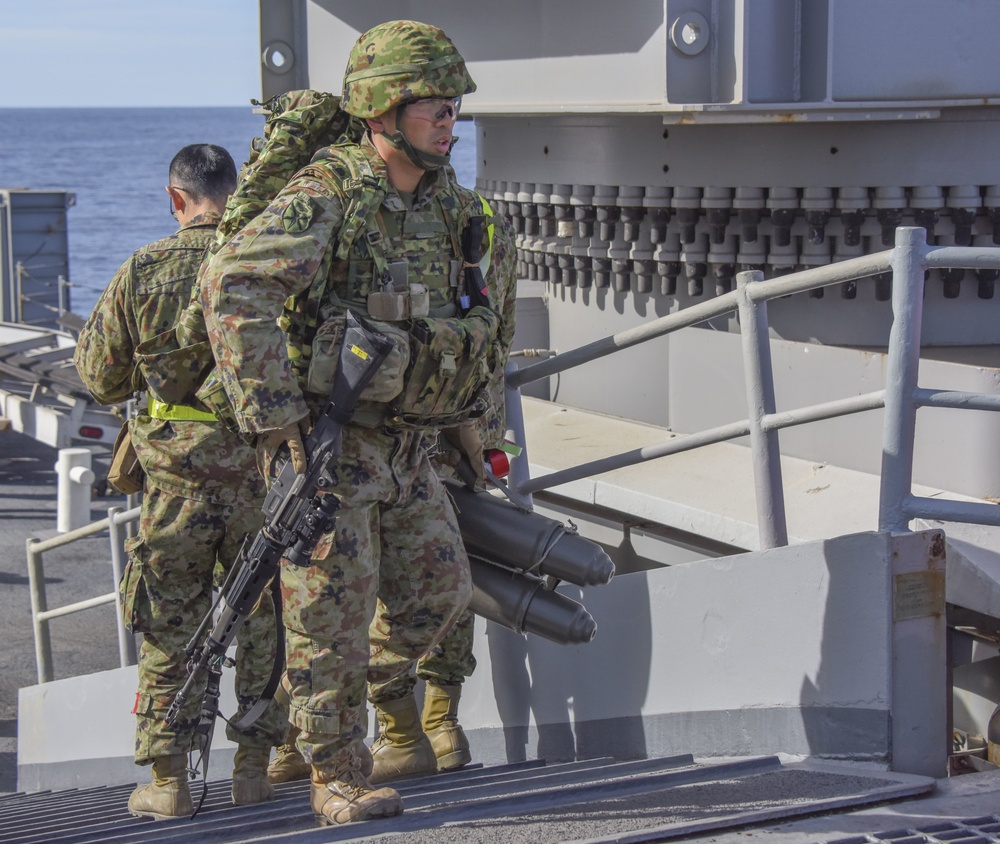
(204,171)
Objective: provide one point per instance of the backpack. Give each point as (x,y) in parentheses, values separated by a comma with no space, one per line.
(298,124)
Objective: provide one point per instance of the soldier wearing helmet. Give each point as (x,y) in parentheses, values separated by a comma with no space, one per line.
(400,73)
(375,227)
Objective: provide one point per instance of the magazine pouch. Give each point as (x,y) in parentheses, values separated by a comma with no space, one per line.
(449,367)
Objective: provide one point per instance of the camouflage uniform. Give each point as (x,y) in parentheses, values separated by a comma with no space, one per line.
(451,660)
(202,495)
(397,537)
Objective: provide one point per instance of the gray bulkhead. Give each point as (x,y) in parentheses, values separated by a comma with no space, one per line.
(647,153)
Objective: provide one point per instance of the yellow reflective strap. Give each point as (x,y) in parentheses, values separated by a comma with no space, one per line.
(177,412)
(484,264)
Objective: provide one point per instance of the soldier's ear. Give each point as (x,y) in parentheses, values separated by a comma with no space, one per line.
(177,199)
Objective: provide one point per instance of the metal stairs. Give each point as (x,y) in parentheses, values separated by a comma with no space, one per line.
(592,800)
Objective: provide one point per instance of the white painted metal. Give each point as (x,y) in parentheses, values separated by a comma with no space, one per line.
(119,521)
(47,410)
(697,657)
(75,478)
(40,612)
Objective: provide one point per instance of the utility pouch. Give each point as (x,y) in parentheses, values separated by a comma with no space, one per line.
(395,306)
(325,361)
(125,473)
(174,372)
(449,366)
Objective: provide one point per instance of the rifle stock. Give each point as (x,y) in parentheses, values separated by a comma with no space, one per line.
(295,517)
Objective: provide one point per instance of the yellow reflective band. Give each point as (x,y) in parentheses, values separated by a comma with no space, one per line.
(484,264)
(177,412)
(361,353)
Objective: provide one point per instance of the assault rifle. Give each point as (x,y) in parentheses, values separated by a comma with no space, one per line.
(295,517)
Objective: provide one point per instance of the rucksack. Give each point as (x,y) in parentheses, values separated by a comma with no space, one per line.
(298,124)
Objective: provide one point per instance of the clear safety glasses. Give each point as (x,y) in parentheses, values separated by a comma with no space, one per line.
(435,109)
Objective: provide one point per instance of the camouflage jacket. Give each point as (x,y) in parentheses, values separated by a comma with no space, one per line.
(290,248)
(192,459)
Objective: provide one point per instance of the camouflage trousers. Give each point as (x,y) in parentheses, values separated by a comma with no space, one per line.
(448,663)
(182,548)
(396,541)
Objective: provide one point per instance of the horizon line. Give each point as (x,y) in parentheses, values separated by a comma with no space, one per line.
(247,104)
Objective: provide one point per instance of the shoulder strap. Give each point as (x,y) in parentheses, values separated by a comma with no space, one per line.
(347,169)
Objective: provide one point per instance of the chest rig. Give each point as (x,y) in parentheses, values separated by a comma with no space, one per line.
(406,265)
(403,269)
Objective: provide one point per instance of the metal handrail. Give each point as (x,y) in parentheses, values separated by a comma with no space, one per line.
(41,614)
(908,261)
(901,398)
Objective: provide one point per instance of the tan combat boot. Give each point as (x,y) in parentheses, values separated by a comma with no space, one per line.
(342,793)
(288,764)
(440,722)
(401,749)
(167,796)
(250,776)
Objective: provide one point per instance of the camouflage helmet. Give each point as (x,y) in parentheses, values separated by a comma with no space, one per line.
(399,61)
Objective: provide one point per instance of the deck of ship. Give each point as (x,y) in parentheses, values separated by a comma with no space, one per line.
(602,800)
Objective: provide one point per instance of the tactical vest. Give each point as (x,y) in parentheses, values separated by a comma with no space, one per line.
(402,269)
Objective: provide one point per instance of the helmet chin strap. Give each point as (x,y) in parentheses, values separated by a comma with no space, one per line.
(423,160)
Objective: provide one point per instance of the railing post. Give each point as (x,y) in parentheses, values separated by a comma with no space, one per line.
(126,641)
(18,303)
(902,370)
(771,523)
(518,474)
(36,586)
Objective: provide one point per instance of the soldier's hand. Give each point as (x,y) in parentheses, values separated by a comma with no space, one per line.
(269,443)
(465,439)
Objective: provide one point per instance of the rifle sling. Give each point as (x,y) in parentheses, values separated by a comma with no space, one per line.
(277,666)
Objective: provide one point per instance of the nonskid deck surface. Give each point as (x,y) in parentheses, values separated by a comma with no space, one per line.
(590,800)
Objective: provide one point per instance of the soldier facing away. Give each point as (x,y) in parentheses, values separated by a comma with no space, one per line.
(202,494)
(375,227)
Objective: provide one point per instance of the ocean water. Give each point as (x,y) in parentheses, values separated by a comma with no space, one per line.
(115,162)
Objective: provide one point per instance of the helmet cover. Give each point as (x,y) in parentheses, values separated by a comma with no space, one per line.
(399,61)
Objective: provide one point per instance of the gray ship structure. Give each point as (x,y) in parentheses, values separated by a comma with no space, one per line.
(756,370)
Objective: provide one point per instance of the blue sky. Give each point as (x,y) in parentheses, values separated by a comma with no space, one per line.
(59,53)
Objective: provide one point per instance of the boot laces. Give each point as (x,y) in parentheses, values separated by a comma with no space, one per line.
(350,781)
